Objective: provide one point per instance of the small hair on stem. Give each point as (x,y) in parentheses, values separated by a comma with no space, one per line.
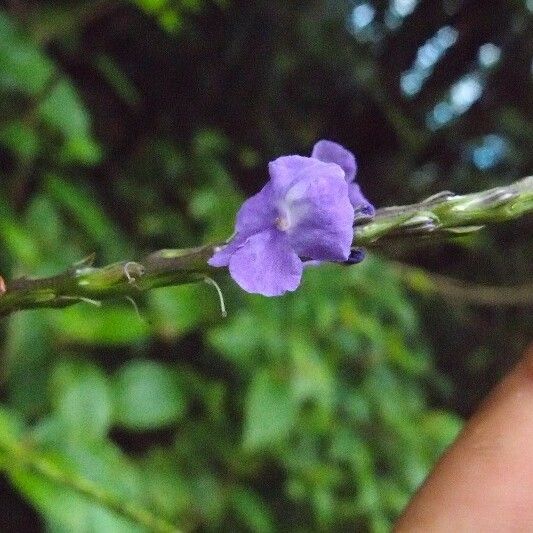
(211,281)
(132,271)
(136,307)
(97,303)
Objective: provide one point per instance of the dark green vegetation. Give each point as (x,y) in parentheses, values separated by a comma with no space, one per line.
(126,127)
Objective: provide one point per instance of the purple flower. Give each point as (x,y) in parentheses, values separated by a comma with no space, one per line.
(331,152)
(304,213)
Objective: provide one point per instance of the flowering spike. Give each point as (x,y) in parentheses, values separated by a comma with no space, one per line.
(451,215)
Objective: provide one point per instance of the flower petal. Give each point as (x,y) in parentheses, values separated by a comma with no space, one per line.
(222,256)
(266,264)
(288,170)
(331,152)
(322,216)
(257,213)
(361,205)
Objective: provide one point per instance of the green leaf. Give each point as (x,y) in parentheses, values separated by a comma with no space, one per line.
(311,378)
(270,411)
(22,65)
(441,426)
(251,509)
(239,339)
(63,507)
(15,239)
(151,5)
(82,399)
(81,149)
(209,496)
(114,75)
(166,487)
(106,326)
(63,110)
(147,396)
(175,311)
(169,16)
(86,210)
(28,356)
(20,138)
(11,429)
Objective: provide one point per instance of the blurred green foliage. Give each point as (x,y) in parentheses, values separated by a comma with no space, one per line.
(130,126)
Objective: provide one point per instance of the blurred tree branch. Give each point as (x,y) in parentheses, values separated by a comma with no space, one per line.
(430,283)
(442,215)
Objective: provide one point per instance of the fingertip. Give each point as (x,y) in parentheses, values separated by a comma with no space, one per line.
(527,361)
(485,480)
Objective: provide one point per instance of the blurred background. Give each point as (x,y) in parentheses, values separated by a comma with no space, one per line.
(128,126)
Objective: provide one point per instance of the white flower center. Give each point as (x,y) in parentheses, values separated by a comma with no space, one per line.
(282,223)
(291,210)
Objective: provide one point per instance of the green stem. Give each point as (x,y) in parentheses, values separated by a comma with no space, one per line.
(23,457)
(446,214)
(442,215)
(84,282)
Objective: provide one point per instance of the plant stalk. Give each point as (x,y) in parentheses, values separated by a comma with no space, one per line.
(442,215)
